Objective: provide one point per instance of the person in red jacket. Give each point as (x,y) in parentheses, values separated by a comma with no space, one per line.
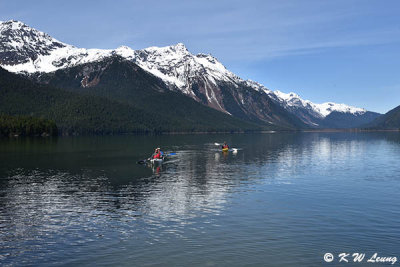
(157,154)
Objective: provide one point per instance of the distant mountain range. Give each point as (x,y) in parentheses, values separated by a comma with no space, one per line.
(200,77)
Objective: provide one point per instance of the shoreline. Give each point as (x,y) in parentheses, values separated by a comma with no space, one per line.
(204,133)
(348,130)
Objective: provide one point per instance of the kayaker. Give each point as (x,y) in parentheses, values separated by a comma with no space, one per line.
(157,154)
(225,145)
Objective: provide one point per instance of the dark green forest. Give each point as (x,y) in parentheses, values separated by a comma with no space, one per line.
(26,126)
(155,111)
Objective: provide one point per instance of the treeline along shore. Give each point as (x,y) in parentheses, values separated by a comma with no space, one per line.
(26,126)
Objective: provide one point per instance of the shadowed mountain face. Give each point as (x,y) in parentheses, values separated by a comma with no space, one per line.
(106,113)
(390,120)
(347,120)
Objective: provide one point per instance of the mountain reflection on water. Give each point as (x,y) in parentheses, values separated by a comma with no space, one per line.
(64,198)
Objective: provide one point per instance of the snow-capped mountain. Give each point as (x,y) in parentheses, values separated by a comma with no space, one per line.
(24,49)
(180,69)
(318,115)
(322,110)
(325,115)
(20,43)
(201,77)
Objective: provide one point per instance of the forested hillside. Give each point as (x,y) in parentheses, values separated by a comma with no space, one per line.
(79,113)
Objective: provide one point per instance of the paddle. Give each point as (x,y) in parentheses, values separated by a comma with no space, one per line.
(143,161)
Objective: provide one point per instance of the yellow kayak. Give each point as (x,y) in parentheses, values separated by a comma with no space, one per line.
(225,149)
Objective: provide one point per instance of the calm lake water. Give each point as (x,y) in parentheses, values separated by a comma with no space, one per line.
(282,199)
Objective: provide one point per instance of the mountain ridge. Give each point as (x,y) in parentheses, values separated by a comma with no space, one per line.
(388,121)
(201,77)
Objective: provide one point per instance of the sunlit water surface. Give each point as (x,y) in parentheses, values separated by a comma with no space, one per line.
(282,199)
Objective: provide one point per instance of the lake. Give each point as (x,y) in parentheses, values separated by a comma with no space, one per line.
(284,199)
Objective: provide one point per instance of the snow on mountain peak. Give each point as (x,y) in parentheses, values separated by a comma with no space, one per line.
(327,108)
(125,52)
(174,64)
(21,44)
(179,46)
(14,30)
(24,49)
(210,62)
(178,49)
(324,109)
(12,25)
(259,87)
(287,97)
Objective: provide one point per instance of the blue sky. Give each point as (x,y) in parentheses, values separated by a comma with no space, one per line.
(340,51)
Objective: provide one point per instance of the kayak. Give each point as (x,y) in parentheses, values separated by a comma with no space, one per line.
(157,162)
(225,149)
